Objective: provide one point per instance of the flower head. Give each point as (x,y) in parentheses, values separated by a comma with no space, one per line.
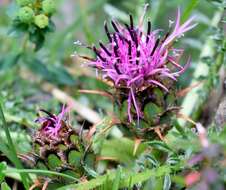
(49,6)
(26,14)
(136,59)
(52,124)
(41,21)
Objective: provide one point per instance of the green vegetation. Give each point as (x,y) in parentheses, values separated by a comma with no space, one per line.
(113,135)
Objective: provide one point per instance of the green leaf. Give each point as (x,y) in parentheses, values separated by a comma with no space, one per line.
(167,182)
(4,186)
(74,158)
(2,168)
(60,75)
(13,154)
(170,99)
(123,111)
(128,178)
(99,138)
(151,111)
(36,171)
(123,154)
(40,165)
(116,181)
(10,60)
(37,38)
(54,161)
(5,149)
(173,159)
(57,75)
(143,124)
(158,96)
(179,128)
(37,66)
(17,29)
(90,171)
(160,145)
(152,160)
(71,173)
(179,180)
(51,27)
(155,183)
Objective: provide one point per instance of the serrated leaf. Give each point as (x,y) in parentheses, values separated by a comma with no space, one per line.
(128,179)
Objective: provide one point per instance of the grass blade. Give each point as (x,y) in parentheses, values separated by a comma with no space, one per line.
(117,180)
(12,149)
(34,171)
(188,10)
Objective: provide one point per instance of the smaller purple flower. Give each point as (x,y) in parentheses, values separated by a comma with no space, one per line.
(135,59)
(52,124)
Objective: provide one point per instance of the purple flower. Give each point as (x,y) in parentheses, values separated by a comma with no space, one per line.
(135,59)
(51,124)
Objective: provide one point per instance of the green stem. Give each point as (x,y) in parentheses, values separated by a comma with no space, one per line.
(195,99)
(24,43)
(34,171)
(17,162)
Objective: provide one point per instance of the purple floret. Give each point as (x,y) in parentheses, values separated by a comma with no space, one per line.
(135,59)
(52,123)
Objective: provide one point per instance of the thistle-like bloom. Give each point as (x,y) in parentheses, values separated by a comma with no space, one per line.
(135,59)
(51,124)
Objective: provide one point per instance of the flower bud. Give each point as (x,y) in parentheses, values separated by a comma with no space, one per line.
(23,2)
(26,14)
(41,20)
(48,6)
